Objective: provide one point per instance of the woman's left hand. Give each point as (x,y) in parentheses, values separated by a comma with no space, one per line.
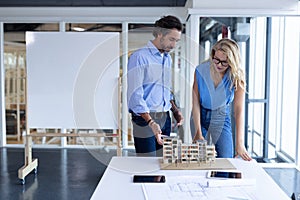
(242,152)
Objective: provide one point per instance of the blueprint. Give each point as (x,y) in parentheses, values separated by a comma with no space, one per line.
(195,187)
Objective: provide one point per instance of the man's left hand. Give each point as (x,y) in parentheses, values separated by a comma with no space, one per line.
(179,117)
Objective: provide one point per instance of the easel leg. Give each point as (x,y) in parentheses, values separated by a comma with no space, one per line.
(29,163)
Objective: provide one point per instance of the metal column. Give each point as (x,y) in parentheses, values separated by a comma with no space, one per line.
(2,93)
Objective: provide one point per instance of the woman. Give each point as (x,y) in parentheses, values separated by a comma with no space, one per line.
(218,82)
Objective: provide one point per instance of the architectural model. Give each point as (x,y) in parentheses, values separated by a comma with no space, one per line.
(174,151)
(199,155)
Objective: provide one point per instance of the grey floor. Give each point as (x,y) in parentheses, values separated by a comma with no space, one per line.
(62,173)
(75,173)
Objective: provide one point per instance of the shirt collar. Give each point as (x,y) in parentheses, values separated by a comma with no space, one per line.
(153,49)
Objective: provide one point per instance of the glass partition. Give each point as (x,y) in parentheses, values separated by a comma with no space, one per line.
(271,112)
(272,74)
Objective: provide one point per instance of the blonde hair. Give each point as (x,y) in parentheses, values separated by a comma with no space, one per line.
(231,49)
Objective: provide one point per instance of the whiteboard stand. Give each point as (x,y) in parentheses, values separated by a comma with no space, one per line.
(29,163)
(46,53)
(32,164)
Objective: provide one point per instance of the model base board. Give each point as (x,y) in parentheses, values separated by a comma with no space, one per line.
(218,163)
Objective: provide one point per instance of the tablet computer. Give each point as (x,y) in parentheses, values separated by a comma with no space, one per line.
(224,174)
(149,179)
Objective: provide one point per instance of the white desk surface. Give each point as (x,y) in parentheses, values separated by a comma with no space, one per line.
(116,183)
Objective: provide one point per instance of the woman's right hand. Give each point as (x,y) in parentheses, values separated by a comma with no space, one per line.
(198,136)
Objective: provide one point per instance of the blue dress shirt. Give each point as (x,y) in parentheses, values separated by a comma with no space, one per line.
(149,80)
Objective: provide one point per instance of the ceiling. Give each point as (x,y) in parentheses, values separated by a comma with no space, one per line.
(87,3)
(15,32)
(21,27)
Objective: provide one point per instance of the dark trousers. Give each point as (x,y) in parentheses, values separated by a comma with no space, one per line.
(144,140)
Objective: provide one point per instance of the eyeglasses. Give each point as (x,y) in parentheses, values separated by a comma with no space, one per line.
(224,63)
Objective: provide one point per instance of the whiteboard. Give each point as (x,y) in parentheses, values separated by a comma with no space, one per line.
(72,80)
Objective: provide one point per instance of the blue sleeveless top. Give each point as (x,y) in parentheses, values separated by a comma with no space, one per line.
(211,97)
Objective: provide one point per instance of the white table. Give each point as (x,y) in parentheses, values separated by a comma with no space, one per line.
(116,183)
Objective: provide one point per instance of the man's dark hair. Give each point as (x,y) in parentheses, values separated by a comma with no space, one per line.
(166,23)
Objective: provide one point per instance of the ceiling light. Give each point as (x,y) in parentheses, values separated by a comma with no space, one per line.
(78,29)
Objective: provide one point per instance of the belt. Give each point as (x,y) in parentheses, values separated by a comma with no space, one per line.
(158,115)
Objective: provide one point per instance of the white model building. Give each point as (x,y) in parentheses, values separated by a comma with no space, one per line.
(174,151)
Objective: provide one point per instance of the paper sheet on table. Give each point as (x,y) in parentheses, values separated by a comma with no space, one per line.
(195,187)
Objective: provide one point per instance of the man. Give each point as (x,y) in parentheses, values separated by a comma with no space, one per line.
(149,88)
